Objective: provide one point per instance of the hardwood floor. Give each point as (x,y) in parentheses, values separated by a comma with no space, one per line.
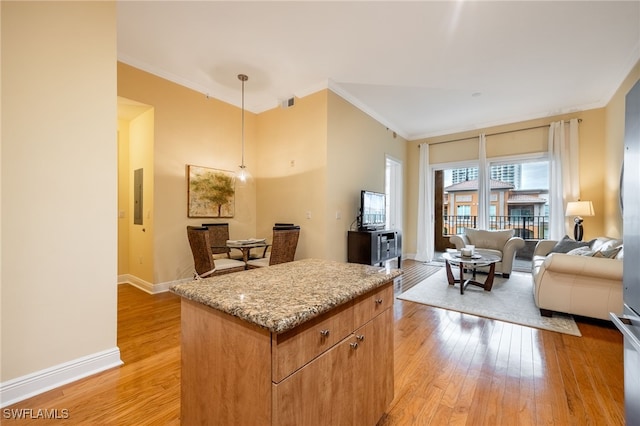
(450,368)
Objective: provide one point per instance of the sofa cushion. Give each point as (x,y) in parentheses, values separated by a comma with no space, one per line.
(494,240)
(605,243)
(566,244)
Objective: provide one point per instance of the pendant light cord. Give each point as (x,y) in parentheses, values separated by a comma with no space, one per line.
(243,78)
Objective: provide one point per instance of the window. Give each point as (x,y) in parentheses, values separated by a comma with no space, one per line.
(463,210)
(519,197)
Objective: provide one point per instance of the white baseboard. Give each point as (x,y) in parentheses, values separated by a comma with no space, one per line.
(136,282)
(147,286)
(24,387)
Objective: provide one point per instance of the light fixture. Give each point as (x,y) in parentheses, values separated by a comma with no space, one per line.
(242,174)
(579,209)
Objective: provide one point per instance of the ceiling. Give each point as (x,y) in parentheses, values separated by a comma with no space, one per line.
(421,68)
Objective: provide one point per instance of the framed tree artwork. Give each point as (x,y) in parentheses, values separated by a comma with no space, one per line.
(210,192)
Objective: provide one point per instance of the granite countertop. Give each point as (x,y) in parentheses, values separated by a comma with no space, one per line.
(281,297)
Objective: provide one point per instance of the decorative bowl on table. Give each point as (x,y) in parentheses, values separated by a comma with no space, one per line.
(473,256)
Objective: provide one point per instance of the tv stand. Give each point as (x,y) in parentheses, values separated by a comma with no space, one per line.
(374,247)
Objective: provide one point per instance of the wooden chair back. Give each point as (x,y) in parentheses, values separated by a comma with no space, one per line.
(201,250)
(284,244)
(218,236)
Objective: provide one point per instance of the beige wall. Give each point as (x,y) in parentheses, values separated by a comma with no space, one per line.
(141,156)
(614,143)
(124,211)
(189,128)
(291,176)
(59,156)
(313,160)
(356,150)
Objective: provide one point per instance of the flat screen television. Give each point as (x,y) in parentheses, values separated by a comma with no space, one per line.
(373,212)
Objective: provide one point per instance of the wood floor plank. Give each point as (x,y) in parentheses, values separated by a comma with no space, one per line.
(554,385)
(544,414)
(482,396)
(571,386)
(526,396)
(498,368)
(510,401)
(450,368)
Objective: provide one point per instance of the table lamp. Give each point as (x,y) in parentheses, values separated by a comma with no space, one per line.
(579,209)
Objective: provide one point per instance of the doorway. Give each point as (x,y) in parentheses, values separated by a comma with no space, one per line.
(135,139)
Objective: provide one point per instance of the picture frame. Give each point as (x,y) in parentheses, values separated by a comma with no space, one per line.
(210,192)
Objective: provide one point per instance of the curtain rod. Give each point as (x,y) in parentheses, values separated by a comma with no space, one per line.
(499,133)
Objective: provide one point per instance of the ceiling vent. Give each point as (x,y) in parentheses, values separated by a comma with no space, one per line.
(288,103)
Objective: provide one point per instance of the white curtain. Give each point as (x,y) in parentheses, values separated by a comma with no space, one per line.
(484,185)
(564,185)
(425,244)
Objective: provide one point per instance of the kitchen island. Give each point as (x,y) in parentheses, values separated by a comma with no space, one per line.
(302,343)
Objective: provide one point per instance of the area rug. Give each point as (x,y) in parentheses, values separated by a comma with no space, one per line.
(510,300)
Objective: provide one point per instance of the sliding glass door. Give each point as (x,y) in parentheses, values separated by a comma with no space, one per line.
(519,199)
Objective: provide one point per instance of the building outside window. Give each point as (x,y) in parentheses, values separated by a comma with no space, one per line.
(519,198)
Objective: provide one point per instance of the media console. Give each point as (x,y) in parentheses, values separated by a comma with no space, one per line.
(374,247)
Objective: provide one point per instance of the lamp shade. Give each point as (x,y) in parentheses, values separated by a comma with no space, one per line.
(579,208)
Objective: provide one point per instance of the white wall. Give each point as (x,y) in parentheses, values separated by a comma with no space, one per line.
(59,188)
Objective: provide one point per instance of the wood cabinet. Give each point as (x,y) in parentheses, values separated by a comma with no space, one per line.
(374,247)
(334,369)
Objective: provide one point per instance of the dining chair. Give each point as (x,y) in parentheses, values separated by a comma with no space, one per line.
(205,264)
(283,247)
(218,236)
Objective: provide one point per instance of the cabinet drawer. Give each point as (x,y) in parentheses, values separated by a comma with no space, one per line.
(371,304)
(320,393)
(293,349)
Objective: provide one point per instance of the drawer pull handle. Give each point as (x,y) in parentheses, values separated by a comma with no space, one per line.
(324,333)
(379,301)
(360,337)
(354,345)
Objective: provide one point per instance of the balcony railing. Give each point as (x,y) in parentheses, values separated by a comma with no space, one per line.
(527,227)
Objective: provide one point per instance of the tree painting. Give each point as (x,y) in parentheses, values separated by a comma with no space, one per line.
(211,192)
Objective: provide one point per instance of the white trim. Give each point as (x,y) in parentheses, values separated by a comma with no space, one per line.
(148,287)
(24,387)
(394,186)
(143,285)
(340,91)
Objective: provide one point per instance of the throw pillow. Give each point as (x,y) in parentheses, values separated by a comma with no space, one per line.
(581,251)
(609,254)
(566,244)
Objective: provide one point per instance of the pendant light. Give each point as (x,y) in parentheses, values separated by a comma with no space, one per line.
(242,174)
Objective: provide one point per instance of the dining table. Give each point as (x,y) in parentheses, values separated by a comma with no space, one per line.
(245,246)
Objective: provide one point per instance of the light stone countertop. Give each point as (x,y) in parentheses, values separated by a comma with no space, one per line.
(281,297)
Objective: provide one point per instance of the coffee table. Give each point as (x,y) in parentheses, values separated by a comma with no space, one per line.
(470,262)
